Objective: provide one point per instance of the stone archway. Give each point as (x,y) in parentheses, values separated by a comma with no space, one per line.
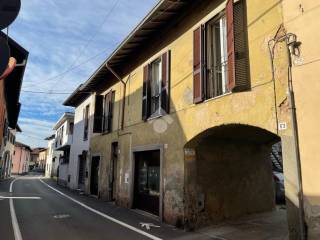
(228,174)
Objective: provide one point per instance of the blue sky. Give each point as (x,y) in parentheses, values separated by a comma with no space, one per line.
(60,34)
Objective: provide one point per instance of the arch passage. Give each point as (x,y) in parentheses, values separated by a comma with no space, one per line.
(228,174)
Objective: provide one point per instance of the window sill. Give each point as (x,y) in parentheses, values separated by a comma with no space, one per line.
(156,116)
(217,97)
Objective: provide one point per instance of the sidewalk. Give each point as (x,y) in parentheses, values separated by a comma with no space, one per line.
(132,217)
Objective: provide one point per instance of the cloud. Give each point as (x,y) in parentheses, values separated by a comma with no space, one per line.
(55,33)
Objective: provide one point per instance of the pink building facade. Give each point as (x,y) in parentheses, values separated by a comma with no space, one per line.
(21,159)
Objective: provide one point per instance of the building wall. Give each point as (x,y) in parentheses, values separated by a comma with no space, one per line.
(8,151)
(42,159)
(79,144)
(302,19)
(186,120)
(20,161)
(50,165)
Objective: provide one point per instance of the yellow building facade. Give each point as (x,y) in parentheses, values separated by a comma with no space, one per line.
(199,162)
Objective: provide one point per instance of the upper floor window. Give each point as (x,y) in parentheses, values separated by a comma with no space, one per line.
(103,113)
(61,134)
(220,54)
(86,122)
(71,126)
(216,77)
(156,87)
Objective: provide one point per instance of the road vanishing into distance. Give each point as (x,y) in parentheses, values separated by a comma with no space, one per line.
(33,208)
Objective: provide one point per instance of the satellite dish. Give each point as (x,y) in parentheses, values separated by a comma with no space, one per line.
(9,10)
(4,55)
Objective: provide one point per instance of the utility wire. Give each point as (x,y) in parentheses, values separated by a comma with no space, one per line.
(93,36)
(88,42)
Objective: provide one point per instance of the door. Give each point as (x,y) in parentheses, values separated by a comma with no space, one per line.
(114,171)
(94,180)
(82,168)
(147,181)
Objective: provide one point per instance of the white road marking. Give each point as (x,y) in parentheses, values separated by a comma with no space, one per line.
(148,225)
(103,214)
(61,216)
(15,224)
(35,198)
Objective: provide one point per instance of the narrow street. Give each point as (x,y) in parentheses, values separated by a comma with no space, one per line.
(46,211)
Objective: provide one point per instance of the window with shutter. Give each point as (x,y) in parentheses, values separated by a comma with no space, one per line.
(242,78)
(156,87)
(98,114)
(108,112)
(86,123)
(145,93)
(165,85)
(220,55)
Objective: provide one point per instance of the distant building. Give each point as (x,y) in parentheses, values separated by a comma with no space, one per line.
(34,161)
(8,151)
(21,159)
(41,164)
(52,161)
(9,104)
(63,140)
(83,130)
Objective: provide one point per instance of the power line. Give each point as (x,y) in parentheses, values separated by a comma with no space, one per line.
(44,92)
(93,36)
(88,42)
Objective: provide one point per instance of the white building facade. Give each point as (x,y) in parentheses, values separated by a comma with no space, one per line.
(83,126)
(62,144)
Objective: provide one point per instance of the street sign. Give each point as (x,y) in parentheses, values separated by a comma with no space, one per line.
(9,10)
(4,55)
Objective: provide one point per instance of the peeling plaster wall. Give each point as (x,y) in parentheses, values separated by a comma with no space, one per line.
(233,178)
(255,107)
(301,17)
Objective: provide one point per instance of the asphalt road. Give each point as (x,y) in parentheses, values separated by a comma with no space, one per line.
(56,213)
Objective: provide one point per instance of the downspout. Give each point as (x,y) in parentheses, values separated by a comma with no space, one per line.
(124,93)
(295,132)
(291,41)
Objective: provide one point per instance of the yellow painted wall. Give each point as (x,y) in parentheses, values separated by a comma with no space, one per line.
(302,18)
(186,120)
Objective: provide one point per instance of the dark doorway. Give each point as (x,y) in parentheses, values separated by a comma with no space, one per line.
(94,180)
(82,168)
(113,171)
(147,181)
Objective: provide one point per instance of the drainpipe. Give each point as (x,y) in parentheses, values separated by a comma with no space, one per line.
(295,132)
(124,93)
(291,41)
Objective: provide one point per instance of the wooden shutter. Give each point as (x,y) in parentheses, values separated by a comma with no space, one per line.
(98,114)
(108,112)
(230,45)
(145,93)
(238,63)
(165,85)
(242,80)
(198,35)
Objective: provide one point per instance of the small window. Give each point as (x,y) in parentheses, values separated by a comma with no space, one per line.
(86,123)
(108,111)
(155,86)
(71,125)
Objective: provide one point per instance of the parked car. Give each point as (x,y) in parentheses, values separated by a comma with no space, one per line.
(279,187)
